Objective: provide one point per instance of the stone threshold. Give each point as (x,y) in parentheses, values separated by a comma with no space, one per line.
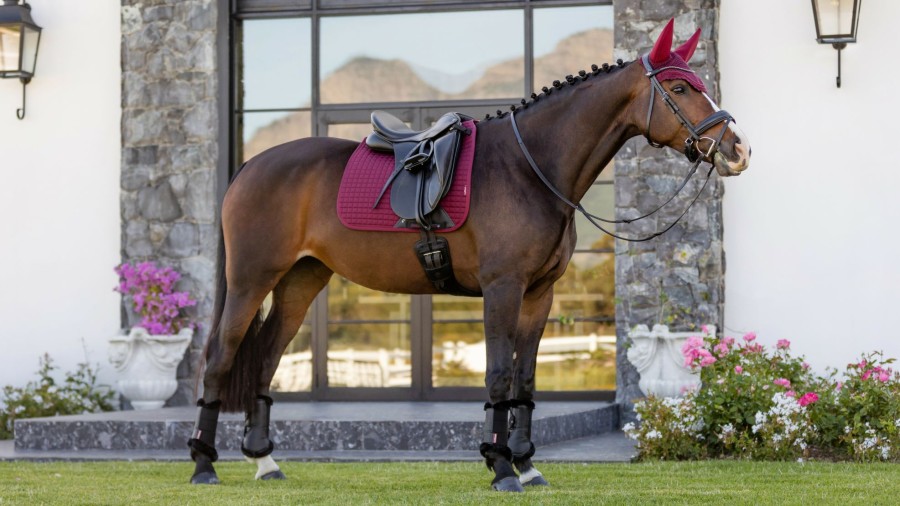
(313,427)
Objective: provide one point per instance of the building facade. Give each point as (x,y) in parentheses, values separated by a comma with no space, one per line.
(129,161)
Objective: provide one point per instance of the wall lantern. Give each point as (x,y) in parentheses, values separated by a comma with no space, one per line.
(836,22)
(19,38)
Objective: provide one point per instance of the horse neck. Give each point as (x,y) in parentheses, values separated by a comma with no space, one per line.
(577,130)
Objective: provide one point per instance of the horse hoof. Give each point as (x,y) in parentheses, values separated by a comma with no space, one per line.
(508,484)
(205,478)
(274,475)
(537,481)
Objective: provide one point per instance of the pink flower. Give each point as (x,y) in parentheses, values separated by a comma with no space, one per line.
(721,349)
(704,329)
(729,341)
(839,386)
(783,344)
(791,393)
(867,374)
(749,336)
(808,398)
(883,376)
(804,365)
(783,382)
(738,369)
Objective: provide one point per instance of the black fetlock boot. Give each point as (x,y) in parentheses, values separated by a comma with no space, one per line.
(256,443)
(203,443)
(520,443)
(495,449)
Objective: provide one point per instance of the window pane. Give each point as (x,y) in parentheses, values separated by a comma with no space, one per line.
(294,373)
(411,57)
(262,130)
(9,49)
(352,131)
(599,200)
(367,354)
(458,355)
(277,63)
(568,39)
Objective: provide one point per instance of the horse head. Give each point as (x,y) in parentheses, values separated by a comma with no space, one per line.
(677,112)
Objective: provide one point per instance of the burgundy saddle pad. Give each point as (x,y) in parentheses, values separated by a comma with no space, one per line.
(366,173)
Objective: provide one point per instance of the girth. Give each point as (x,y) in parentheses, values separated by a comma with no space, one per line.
(424,163)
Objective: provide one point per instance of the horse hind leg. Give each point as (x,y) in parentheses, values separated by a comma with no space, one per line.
(291,299)
(532,321)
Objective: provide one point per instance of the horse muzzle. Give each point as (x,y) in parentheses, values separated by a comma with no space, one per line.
(726,167)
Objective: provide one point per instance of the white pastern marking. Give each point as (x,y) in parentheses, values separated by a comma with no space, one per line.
(264,465)
(529,475)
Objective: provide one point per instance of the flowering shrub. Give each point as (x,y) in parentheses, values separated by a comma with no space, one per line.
(78,394)
(153,295)
(766,404)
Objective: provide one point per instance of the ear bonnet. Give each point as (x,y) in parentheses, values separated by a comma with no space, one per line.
(662,56)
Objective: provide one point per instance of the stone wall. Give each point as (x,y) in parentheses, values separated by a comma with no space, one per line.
(676,279)
(170,150)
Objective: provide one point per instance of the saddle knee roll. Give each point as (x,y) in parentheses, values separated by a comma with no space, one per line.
(256,442)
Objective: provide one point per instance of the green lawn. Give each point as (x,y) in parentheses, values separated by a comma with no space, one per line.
(457,483)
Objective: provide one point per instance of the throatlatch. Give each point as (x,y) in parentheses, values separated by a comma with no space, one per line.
(256,442)
(203,440)
(520,430)
(495,439)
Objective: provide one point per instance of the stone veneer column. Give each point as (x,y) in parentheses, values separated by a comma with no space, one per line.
(676,279)
(170,150)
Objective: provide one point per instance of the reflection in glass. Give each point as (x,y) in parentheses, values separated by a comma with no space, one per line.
(277,60)
(262,130)
(567,39)
(422,56)
(368,337)
(352,131)
(599,200)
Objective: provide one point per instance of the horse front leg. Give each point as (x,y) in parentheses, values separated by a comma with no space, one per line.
(502,301)
(532,320)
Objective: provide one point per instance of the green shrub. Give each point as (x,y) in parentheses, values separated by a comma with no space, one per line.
(78,393)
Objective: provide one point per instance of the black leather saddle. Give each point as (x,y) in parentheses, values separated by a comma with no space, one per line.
(424,163)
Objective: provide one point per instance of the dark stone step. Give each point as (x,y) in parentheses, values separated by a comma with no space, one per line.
(314,426)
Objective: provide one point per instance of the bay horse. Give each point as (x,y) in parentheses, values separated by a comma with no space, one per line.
(281,234)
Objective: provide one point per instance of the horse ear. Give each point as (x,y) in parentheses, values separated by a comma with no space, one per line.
(663,47)
(686,50)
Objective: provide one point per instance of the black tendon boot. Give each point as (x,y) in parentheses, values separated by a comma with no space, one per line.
(495,448)
(256,443)
(520,443)
(203,443)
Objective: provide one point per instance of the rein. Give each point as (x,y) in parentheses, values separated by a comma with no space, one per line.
(696,132)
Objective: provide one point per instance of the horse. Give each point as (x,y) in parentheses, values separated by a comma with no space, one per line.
(280,233)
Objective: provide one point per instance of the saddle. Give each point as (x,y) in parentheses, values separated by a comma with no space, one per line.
(424,163)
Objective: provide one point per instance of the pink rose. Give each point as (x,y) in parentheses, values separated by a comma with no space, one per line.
(804,365)
(791,393)
(721,349)
(783,344)
(749,336)
(808,398)
(783,382)
(738,369)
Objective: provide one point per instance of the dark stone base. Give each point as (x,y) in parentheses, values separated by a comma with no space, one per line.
(314,427)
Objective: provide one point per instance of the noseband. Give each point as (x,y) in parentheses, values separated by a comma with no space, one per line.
(692,151)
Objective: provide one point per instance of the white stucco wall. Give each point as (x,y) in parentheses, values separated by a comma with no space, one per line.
(59,194)
(811,233)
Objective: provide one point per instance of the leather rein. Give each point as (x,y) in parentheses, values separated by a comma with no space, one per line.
(692,151)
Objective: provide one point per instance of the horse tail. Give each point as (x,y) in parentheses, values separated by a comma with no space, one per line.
(238,388)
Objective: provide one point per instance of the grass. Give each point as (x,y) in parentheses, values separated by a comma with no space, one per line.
(711,482)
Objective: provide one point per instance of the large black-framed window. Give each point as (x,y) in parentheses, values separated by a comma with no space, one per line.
(308,68)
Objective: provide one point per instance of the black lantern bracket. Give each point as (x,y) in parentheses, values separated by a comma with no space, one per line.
(20,113)
(837,45)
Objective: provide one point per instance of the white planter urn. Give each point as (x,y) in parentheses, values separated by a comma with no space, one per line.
(146,365)
(656,354)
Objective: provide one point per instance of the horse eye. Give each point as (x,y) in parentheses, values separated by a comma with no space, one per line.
(678,89)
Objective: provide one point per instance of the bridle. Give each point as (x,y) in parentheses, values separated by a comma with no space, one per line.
(692,151)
